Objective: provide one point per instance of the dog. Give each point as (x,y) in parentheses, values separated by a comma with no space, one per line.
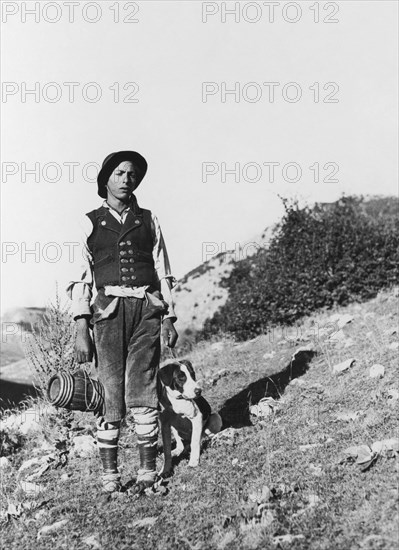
(184,412)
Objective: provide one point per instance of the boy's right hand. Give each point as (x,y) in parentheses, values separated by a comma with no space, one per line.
(83,343)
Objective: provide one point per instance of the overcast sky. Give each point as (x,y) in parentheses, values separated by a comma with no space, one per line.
(158,86)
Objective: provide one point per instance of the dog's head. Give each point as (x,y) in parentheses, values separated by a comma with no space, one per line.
(179,379)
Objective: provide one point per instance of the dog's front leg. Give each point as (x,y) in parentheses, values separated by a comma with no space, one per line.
(177,451)
(167,444)
(196,441)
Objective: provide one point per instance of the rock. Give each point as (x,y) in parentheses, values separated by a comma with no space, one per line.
(83,446)
(4,462)
(53,528)
(345,365)
(92,541)
(297,382)
(145,522)
(349,415)
(315,470)
(377,371)
(341,320)
(37,461)
(264,407)
(217,346)
(225,437)
(393,394)
(360,453)
(386,447)
(13,510)
(40,514)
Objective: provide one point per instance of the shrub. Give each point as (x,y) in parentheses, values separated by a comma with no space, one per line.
(50,347)
(318,257)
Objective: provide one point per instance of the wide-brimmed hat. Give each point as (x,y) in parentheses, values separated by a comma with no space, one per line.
(112,161)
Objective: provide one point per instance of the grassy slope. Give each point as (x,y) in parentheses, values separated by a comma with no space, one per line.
(210,508)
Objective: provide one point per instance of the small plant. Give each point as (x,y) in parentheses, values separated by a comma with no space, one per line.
(50,347)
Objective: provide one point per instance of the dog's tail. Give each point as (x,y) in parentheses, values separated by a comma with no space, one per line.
(214,424)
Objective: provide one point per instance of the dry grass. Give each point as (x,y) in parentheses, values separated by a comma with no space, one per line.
(310,495)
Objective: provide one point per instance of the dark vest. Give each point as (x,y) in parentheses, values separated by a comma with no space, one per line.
(122,254)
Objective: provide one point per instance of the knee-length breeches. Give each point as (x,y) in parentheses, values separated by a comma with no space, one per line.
(127,345)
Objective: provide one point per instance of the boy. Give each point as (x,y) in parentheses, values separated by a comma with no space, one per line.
(126,260)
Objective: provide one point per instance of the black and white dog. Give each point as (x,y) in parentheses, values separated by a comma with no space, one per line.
(184,412)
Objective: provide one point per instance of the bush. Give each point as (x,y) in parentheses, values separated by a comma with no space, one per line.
(50,347)
(318,257)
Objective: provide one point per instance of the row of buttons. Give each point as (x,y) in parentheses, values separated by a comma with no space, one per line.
(124,252)
(133,277)
(127,261)
(124,269)
(122,243)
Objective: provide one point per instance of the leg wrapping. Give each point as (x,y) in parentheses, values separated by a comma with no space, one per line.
(146,423)
(107,440)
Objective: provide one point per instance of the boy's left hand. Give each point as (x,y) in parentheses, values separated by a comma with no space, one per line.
(169,333)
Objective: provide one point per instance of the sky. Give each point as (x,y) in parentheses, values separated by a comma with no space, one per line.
(231,109)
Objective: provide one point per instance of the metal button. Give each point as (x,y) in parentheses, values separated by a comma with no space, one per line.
(133,277)
(122,252)
(124,269)
(103,222)
(125,278)
(137,222)
(122,243)
(130,269)
(128,243)
(130,251)
(123,261)
(131,260)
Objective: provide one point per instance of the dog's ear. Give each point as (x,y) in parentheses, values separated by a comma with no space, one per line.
(167,372)
(189,366)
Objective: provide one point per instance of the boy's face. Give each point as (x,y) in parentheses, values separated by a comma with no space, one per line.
(122,181)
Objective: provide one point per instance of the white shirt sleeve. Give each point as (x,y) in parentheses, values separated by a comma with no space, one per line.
(80,290)
(162,268)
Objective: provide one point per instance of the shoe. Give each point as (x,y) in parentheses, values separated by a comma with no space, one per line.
(111,482)
(145,480)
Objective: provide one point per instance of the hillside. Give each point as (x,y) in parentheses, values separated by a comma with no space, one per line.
(15,324)
(200,293)
(316,470)
(203,292)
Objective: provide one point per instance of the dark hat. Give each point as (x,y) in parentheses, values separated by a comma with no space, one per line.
(112,161)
